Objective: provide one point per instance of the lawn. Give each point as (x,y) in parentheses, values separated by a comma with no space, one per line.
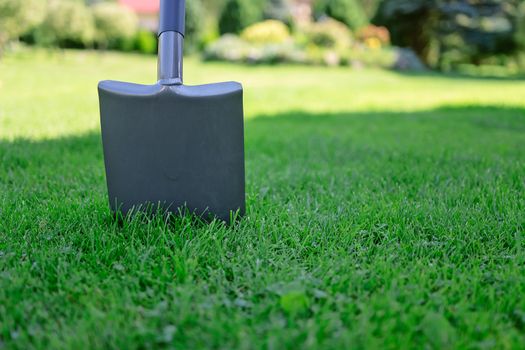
(384,210)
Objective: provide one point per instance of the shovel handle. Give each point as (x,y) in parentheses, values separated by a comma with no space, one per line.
(172,16)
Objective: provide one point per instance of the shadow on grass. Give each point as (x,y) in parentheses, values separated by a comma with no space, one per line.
(70,172)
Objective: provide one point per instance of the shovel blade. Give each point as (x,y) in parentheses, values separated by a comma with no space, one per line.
(174,147)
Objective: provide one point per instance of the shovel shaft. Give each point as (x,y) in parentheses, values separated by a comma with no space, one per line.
(171,45)
(172,16)
(171,41)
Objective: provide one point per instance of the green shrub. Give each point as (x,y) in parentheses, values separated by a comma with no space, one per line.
(113,24)
(146,42)
(67,24)
(374,36)
(276,53)
(229,47)
(520,61)
(194,26)
(370,8)
(239,14)
(279,10)
(17,17)
(349,12)
(328,33)
(383,58)
(406,60)
(446,36)
(143,41)
(232,48)
(267,32)
(520,27)
(126,44)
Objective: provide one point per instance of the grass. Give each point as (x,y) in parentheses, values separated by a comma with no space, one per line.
(384,211)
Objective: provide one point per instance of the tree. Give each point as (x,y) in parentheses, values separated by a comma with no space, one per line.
(370,7)
(194,26)
(350,12)
(67,24)
(520,30)
(239,14)
(279,10)
(17,17)
(113,23)
(448,33)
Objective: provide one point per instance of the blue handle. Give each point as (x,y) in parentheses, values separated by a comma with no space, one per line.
(172,16)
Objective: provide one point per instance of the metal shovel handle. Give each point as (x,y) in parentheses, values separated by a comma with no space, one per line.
(172,22)
(172,16)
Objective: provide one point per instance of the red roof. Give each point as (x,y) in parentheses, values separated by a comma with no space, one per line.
(142,6)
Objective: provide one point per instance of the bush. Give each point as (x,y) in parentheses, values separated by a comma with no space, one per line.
(146,42)
(239,14)
(279,10)
(229,47)
(276,53)
(113,24)
(370,8)
(364,57)
(67,24)
(329,33)
(17,17)
(407,60)
(234,49)
(194,26)
(267,32)
(374,37)
(386,58)
(446,36)
(520,27)
(349,12)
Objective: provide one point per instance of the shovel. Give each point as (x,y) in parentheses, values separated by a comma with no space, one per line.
(173,147)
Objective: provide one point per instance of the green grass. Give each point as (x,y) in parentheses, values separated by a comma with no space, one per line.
(384,211)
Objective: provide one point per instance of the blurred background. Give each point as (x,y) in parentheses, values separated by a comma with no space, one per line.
(468,36)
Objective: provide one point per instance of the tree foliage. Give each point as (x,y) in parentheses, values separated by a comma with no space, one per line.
(194,23)
(17,16)
(279,10)
(239,14)
(370,7)
(67,23)
(350,12)
(113,23)
(520,26)
(448,33)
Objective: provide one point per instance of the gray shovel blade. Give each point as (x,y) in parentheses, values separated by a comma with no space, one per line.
(174,147)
